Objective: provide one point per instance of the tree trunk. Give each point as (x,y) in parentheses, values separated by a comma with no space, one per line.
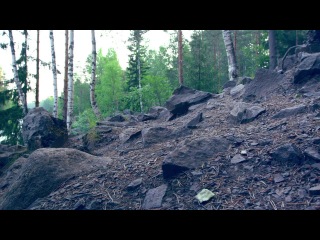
(54,71)
(180,57)
(70,82)
(93,77)
(37,75)
(16,76)
(65,86)
(272,50)
(26,54)
(232,61)
(139,78)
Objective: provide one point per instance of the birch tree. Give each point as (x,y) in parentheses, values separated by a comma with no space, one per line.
(65,85)
(180,57)
(232,61)
(70,82)
(26,51)
(54,71)
(37,75)
(93,77)
(16,77)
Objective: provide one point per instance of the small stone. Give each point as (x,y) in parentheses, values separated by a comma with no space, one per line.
(314,190)
(288,198)
(254,143)
(238,159)
(134,184)
(243,152)
(313,153)
(154,197)
(278,178)
(195,187)
(302,193)
(196,173)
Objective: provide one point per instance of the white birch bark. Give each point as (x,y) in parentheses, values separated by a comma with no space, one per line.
(16,77)
(70,82)
(93,77)
(54,71)
(232,62)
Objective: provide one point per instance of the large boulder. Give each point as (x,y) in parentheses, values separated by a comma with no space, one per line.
(308,68)
(43,172)
(41,130)
(264,84)
(245,112)
(184,97)
(193,154)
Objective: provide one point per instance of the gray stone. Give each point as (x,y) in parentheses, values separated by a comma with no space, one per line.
(192,154)
(237,89)
(134,184)
(146,117)
(193,123)
(129,134)
(314,191)
(155,135)
(312,153)
(184,97)
(229,84)
(243,80)
(278,178)
(238,159)
(44,171)
(40,129)
(10,153)
(245,112)
(117,118)
(307,69)
(292,111)
(154,197)
(287,153)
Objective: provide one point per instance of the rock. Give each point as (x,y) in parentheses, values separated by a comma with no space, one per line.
(117,118)
(196,173)
(244,80)
(204,195)
(308,68)
(291,111)
(245,112)
(157,110)
(312,153)
(146,117)
(302,193)
(287,153)
(278,178)
(129,134)
(184,97)
(193,123)
(155,135)
(229,84)
(316,140)
(154,197)
(265,83)
(244,152)
(191,155)
(238,159)
(10,153)
(40,129)
(314,190)
(237,90)
(44,171)
(134,184)
(316,165)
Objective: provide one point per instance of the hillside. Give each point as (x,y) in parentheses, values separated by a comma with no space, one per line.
(254,146)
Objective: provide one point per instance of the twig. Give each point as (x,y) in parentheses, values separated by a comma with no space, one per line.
(109,195)
(273,204)
(176,197)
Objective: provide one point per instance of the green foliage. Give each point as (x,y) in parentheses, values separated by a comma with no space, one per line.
(81,98)
(10,125)
(84,122)
(110,83)
(47,104)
